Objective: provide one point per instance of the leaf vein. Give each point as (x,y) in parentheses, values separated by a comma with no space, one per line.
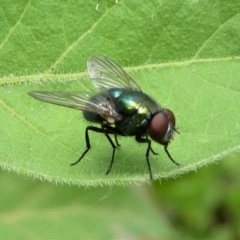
(14,113)
(15,26)
(80,38)
(8,80)
(221,26)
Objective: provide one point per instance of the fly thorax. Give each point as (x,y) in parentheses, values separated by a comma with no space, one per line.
(142,112)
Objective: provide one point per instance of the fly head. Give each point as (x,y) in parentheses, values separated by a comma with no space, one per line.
(162,127)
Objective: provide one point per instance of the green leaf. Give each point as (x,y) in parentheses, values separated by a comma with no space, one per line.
(185,54)
(35,210)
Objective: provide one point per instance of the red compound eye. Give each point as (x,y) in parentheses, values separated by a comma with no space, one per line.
(160,125)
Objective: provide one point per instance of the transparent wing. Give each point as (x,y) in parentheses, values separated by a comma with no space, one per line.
(101,103)
(106,74)
(76,100)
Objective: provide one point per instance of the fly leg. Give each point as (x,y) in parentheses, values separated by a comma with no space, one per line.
(88,145)
(111,130)
(149,148)
(116,140)
(113,153)
(170,157)
(155,153)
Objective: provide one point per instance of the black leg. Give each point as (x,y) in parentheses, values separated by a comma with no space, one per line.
(155,153)
(116,140)
(104,130)
(149,148)
(88,145)
(165,148)
(113,153)
(111,130)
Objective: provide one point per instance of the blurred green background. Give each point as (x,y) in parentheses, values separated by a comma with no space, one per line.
(197,205)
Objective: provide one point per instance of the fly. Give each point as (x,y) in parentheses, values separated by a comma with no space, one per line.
(120,108)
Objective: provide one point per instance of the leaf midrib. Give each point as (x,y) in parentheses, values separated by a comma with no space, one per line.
(42,77)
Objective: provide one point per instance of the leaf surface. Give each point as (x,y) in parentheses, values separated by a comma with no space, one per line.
(185,54)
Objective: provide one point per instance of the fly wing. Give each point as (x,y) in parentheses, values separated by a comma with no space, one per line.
(101,104)
(76,100)
(106,74)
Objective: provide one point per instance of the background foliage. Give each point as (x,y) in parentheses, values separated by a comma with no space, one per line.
(185,54)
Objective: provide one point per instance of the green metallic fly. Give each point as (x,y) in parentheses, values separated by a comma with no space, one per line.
(120,108)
